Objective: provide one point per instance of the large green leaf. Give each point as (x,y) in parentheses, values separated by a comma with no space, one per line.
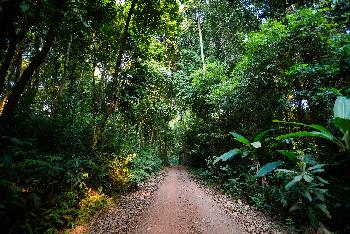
(240,138)
(306,134)
(267,168)
(341,112)
(295,180)
(228,155)
(342,124)
(342,108)
(314,126)
(324,135)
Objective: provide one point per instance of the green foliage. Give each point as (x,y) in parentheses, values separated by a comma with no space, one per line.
(263,60)
(268,168)
(308,189)
(341,112)
(228,155)
(247,149)
(342,118)
(145,165)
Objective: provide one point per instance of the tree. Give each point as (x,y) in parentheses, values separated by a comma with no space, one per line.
(55,15)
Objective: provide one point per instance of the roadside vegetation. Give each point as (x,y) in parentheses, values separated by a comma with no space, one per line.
(97,96)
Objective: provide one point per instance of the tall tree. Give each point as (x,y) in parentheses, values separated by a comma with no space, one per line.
(116,83)
(55,17)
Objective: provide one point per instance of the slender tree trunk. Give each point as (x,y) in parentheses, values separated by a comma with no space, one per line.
(94,104)
(25,78)
(10,53)
(18,63)
(6,64)
(201,41)
(116,84)
(58,96)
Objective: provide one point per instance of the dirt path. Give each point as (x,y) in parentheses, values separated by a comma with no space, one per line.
(181,206)
(174,203)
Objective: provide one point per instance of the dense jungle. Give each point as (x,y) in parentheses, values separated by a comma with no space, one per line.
(98,96)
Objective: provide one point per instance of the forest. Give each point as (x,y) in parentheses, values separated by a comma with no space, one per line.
(97,96)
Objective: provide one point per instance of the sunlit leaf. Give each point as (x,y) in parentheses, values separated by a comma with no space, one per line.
(342,108)
(240,138)
(306,134)
(256,144)
(341,112)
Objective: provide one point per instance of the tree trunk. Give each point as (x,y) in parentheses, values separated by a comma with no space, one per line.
(6,64)
(116,84)
(10,53)
(25,78)
(201,41)
(58,96)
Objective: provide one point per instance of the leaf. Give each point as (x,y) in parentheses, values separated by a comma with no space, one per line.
(309,159)
(306,134)
(295,207)
(323,132)
(240,138)
(341,113)
(295,180)
(261,135)
(314,126)
(322,180)
(323,208)
(267,168)
(308,178)
(312,134)
(320,128)
(290,154)
(286,171)
(308,195)
(342,124)
(256,144)
(226,156)
(341,108)
(320,194)
(245,153)
(318,166)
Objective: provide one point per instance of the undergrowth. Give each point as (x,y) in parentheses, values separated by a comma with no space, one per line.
(46,192)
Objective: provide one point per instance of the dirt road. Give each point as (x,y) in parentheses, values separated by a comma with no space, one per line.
(181,206)
(174,203)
